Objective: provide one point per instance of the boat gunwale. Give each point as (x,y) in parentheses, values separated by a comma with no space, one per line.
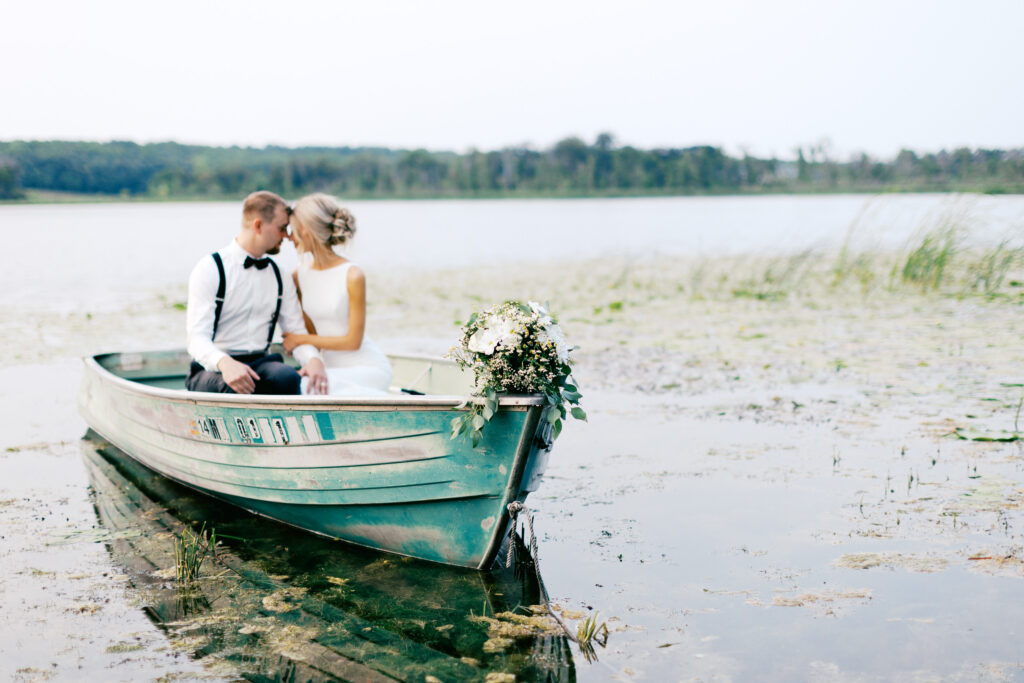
(301,401)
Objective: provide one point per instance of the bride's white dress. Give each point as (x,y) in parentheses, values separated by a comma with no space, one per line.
(363,372)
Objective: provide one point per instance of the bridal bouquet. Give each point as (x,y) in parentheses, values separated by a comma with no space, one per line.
(516,348)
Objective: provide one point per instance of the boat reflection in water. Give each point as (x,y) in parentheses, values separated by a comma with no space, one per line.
(280,604)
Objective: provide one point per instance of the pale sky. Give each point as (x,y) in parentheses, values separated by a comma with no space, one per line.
(764,76)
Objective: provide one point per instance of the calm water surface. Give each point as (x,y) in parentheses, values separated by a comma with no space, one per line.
(692,536)
(99,255)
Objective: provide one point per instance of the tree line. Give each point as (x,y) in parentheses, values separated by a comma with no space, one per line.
(572,167)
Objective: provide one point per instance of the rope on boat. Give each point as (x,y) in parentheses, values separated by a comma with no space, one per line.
(515,508)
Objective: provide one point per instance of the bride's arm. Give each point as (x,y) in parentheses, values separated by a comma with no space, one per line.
(356,284)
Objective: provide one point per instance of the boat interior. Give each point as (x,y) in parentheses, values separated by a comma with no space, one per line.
(413,375)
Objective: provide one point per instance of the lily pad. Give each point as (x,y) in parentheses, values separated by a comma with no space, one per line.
(970,434)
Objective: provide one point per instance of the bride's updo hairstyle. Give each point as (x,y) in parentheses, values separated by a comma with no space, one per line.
(329,222)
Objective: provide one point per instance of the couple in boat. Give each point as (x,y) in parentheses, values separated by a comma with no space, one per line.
(238,295)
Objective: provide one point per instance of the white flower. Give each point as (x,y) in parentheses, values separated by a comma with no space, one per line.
(483,341)
(508,336)
(553,333)
(541,313)
(487,339)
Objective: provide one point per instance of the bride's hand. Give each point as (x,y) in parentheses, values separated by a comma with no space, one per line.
(290,341)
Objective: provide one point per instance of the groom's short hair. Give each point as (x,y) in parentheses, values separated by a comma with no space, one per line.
(262,204)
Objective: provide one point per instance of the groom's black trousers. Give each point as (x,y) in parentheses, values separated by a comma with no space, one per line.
(275,376)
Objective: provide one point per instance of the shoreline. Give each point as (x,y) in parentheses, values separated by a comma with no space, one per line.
(49,198)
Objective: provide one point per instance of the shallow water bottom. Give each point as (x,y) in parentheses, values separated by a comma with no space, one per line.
(726,549)
(752,550)
(764,491)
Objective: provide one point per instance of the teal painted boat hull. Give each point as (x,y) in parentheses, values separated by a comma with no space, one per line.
(381,472)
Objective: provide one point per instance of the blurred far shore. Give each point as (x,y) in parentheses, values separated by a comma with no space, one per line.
(55,171)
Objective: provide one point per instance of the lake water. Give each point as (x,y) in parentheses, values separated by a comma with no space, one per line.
(97,256)
(768,492)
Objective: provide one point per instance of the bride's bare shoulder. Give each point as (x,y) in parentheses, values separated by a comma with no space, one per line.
(356,275)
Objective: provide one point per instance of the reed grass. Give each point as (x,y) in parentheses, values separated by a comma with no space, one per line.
(988,272)
(939,260)
(590,633)
(926,265)
(190,552)
(777,278)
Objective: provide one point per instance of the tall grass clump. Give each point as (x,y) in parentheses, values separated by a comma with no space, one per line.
(927,264)
(929,261)
(988,272)
(190,552)
(851,263)
(780,277)
(858,265)
(590,632)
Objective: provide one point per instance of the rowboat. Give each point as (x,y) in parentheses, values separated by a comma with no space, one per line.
(381,472)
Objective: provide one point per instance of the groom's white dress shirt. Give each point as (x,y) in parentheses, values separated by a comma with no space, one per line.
(249,301)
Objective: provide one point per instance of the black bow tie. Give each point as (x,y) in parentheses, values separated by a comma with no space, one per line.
(260,263)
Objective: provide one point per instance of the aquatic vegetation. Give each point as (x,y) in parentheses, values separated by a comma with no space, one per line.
(926,264)
(498,677)
(1004,436)
(505,628)
(989,270)
(853,263)
(125,647)
(821,597)
(1016,417)
(589,632)
(913,563)
(1007,561)
(776,278)
(284,600)
(190,552)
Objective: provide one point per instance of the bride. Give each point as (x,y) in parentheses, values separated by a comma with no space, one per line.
(332,291)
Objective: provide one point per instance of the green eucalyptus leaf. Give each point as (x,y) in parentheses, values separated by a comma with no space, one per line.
(556,429)
(474,437)
(478,422)
(488,412)
(552,415)
(579,414)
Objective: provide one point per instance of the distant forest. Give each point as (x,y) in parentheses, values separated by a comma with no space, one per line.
(571,168)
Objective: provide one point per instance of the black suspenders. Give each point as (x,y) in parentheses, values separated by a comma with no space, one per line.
(219,300)
(222,287)
(277,309)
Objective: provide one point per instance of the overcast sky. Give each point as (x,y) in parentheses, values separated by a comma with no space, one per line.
(762,75)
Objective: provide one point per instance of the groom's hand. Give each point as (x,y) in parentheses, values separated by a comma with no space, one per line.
(317,375)
(239,376)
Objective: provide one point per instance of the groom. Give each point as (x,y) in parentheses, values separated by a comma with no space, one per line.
(236,296)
